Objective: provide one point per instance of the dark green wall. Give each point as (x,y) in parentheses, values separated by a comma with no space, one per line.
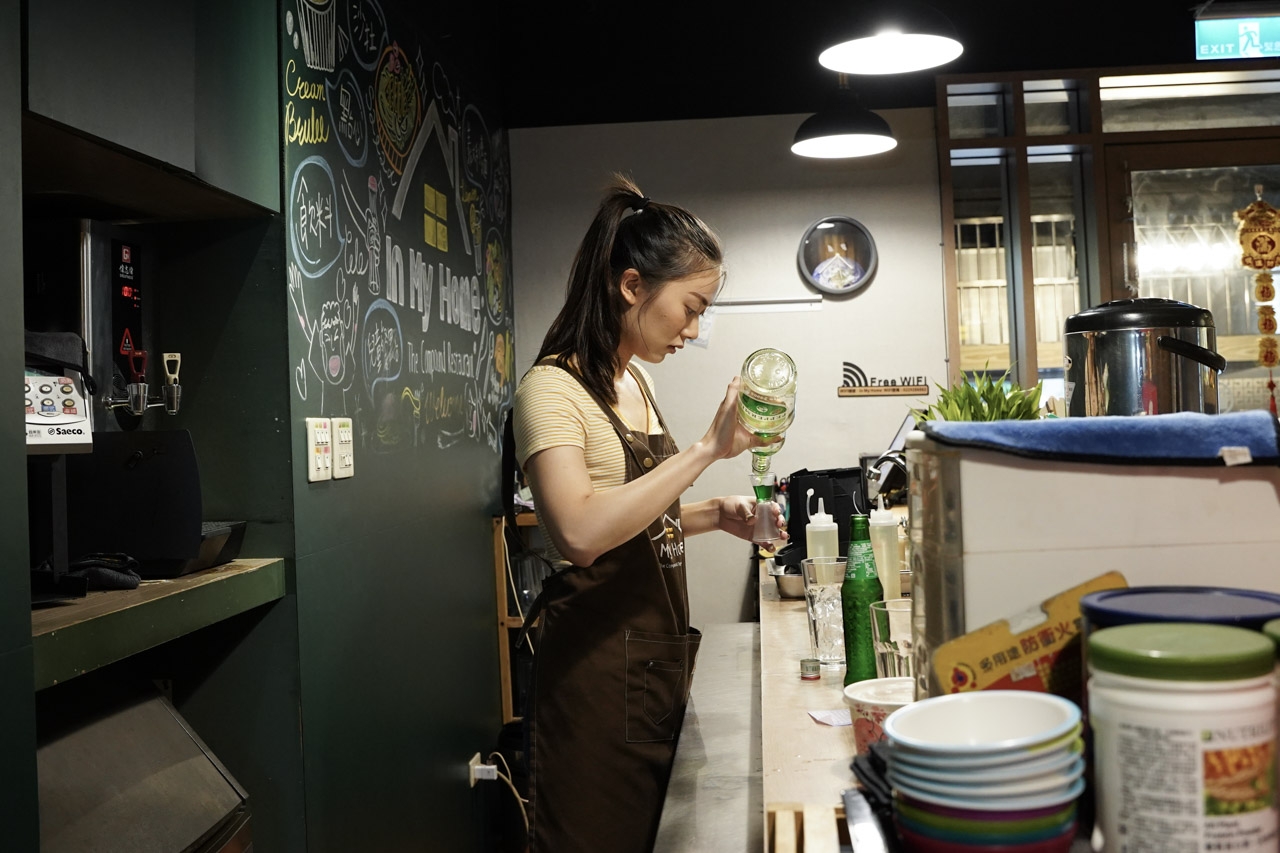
(395,597)
(18,812)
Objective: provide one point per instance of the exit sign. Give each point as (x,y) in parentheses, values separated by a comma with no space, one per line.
(1237,38)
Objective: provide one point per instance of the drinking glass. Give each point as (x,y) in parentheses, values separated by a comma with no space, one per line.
(891,637)
(822,579)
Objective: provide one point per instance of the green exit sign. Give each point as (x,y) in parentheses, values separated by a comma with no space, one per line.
(1238,38)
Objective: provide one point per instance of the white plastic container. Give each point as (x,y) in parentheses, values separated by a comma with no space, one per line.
(821,536)
(1184,737)
(883,526)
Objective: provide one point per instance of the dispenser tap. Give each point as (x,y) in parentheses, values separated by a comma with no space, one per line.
(136,398)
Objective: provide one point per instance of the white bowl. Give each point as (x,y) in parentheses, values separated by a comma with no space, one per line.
(1070,742)
(984,722)
(926,767)
(1043,783)
(994,804)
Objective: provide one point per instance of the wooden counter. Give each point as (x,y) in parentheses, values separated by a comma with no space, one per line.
(76,637)
(804,761)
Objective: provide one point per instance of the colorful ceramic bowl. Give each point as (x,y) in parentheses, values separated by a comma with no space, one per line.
(1057,797)
(985,838)
(919,843)
(995,812)
(1044,783)
(1019,765)
(983,723)
(1058,818)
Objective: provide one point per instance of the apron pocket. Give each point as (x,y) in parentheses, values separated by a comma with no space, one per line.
(656,685)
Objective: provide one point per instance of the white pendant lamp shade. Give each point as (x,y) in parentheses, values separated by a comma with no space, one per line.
(906,37)
(843,129)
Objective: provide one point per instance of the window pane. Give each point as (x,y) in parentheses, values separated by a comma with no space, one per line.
(1190,100)
(1055,198)
(977,110)
(981,265)
(1051,106)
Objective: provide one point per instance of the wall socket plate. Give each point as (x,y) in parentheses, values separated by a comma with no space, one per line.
(344,448)
(319,450)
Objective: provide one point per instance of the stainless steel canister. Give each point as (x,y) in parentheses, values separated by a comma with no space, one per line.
(1141,357)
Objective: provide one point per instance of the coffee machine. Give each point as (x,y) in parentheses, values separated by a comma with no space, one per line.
(103,480)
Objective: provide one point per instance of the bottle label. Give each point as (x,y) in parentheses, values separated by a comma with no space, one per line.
(764,413)
(861,562)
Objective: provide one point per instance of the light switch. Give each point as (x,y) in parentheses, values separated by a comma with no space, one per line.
(344,448)
(319,450)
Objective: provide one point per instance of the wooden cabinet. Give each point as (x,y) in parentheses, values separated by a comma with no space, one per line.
(508,624)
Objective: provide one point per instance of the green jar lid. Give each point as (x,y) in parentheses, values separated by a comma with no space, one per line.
(1272,630)
(1182,651)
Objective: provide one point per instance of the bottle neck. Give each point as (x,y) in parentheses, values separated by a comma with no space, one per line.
(760,463)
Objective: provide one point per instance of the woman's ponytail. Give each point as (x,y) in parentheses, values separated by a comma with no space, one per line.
(629,231)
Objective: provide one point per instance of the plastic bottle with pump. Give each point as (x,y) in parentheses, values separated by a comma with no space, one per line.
(821,536)
(884,545)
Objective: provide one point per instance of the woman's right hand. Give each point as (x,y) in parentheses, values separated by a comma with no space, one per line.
(727,437)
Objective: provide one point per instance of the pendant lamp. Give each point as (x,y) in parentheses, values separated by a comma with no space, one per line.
(893,39)
(843,128)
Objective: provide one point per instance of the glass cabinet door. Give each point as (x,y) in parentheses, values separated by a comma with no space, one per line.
(1174,236)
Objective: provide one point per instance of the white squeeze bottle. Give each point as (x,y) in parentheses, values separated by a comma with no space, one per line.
(884,546)
(821,536)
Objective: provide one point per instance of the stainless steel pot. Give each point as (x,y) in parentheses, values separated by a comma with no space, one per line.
(1141,357)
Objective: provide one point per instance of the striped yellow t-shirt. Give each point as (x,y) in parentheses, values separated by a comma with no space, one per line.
(553,410)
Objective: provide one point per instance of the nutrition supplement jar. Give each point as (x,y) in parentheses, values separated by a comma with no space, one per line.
(1184,738)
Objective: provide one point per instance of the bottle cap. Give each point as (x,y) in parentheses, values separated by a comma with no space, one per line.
(882,515)
(821,516)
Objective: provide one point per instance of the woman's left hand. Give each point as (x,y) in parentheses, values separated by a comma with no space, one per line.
(738,516)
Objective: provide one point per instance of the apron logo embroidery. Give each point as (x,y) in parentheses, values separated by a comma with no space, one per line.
(665,542)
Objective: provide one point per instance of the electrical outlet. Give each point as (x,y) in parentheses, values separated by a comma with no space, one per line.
(471,769)
(319,450)
(344,448)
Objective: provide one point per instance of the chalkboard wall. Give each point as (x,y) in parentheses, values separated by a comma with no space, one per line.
(397,212)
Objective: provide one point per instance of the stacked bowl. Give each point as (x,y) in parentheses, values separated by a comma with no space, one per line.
(997,771)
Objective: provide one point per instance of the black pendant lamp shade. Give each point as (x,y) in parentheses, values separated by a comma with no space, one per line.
(893,38)
(843,128)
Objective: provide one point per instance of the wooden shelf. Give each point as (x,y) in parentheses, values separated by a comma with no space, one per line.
(104,627)
(526,519)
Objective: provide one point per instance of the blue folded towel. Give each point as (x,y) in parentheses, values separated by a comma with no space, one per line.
(1185,438)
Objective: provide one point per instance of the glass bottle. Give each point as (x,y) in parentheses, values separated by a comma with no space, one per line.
(767,401)
(861,589)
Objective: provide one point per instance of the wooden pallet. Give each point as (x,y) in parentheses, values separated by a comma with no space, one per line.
(804,828)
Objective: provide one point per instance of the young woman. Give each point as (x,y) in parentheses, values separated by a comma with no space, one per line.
(615,652)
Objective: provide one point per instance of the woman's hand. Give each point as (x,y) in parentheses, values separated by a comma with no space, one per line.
(738,516)
(727,437)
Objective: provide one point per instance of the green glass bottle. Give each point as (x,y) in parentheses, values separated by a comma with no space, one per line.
(861,589)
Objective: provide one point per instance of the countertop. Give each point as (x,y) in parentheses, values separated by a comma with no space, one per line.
(748,742)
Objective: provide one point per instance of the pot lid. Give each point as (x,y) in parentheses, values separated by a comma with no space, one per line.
(1246,608)
(1144,313)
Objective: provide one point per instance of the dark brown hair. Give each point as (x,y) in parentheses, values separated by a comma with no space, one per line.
(661,242)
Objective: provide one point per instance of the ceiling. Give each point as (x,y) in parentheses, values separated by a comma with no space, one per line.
(651,60)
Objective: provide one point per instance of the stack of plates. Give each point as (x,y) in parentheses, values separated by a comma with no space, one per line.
(994,770)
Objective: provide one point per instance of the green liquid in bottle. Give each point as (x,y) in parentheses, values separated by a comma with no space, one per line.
(764,492)
(861,589)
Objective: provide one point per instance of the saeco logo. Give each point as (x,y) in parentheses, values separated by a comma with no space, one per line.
(65,431)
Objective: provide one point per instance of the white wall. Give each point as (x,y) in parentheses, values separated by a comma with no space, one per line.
(741,178)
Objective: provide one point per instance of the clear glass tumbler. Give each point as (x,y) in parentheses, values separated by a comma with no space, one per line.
(891,637)
(822,579)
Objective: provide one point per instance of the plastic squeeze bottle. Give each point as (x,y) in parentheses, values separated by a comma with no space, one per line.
(821,537)
(884,545)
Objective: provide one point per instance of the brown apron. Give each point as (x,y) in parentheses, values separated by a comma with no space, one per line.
(612,670)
